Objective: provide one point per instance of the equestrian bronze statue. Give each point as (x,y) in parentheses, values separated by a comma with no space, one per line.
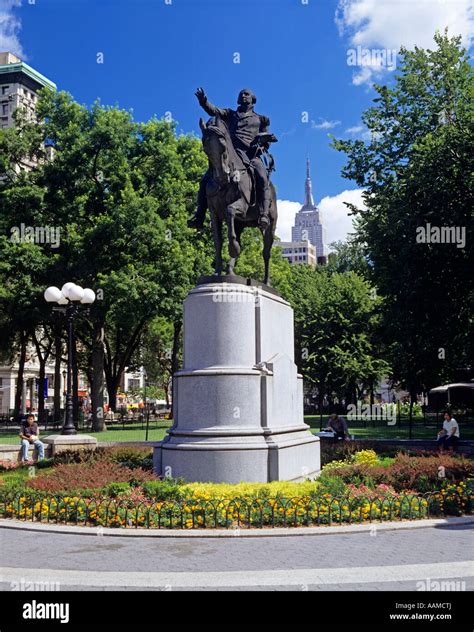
(236,188)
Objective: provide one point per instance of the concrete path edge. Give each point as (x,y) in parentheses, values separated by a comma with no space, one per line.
(232,533)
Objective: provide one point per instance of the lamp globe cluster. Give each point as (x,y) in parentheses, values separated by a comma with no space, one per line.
(70,292)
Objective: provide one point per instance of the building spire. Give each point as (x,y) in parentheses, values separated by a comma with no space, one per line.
(308,192)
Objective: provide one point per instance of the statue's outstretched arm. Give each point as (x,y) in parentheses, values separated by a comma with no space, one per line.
(209,107)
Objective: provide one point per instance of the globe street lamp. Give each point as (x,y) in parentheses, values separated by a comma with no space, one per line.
(69,298)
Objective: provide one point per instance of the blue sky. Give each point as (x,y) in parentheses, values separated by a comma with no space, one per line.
(293,54)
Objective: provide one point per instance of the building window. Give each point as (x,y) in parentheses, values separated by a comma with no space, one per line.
(5,89)
(5,109)
(133,383)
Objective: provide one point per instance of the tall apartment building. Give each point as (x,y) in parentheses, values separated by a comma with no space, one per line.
(308,226)
(19,86)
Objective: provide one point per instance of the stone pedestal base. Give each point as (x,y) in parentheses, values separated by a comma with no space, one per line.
(238,401)
(59,443)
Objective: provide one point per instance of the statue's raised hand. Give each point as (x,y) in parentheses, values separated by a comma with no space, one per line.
(201,95)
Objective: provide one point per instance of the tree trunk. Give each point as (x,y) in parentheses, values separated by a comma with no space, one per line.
(372,395)
(20,374)
(112,380)
(97,380)
(177,325)
(41,389)
(115,367)
(113,383)
(42,355)
(167,389)
(320,398)
(410,414)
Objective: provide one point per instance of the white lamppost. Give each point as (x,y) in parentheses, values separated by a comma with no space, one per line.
(69,299)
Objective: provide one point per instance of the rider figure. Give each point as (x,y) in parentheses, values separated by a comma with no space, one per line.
(245,126)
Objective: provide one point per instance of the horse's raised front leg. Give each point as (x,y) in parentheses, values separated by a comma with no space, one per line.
(216,225)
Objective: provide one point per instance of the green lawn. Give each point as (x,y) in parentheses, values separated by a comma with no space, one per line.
(157,431)
(113,434)
(383,431)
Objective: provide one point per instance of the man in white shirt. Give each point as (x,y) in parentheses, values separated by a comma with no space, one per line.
(449,436)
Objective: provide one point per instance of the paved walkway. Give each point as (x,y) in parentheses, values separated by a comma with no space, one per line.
(388,560)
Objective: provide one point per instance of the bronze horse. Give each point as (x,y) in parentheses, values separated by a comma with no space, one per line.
(231,196)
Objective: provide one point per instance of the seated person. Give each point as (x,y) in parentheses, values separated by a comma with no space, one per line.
(30,435)
(338,425)
(448,437)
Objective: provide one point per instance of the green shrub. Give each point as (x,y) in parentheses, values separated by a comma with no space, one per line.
(131,456)
(164,489)
(329,484)
(116,489)
(12,483)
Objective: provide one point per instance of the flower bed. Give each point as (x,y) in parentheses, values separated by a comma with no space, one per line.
(116,488)
(404,473)
(201,511)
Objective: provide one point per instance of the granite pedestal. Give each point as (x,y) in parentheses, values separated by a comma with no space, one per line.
(238,400)
(59,443)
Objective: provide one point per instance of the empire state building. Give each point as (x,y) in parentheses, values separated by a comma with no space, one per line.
(308,226)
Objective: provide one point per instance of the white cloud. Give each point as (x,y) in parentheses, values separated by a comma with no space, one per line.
(334,215)
(324,124)
(10,26)
(357,129)
(286,218)
(389,24)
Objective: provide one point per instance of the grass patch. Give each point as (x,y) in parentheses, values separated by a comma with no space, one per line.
(112,434)
(383,431)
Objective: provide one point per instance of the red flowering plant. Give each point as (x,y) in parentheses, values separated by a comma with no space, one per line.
(85,476)
(8,465)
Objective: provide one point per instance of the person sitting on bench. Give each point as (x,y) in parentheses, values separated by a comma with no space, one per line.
(30,435)
(338,426)
(448,437)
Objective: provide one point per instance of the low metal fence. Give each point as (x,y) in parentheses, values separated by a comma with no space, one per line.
(234,513)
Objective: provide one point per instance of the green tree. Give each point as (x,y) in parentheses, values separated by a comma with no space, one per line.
(349,256)
(417,171)
(336,316)
(120,193)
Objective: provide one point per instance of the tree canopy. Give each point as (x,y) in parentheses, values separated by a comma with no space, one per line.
(417,174)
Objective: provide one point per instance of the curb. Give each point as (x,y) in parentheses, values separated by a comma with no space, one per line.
(232,533)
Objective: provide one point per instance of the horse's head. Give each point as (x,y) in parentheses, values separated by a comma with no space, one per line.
(215,142)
